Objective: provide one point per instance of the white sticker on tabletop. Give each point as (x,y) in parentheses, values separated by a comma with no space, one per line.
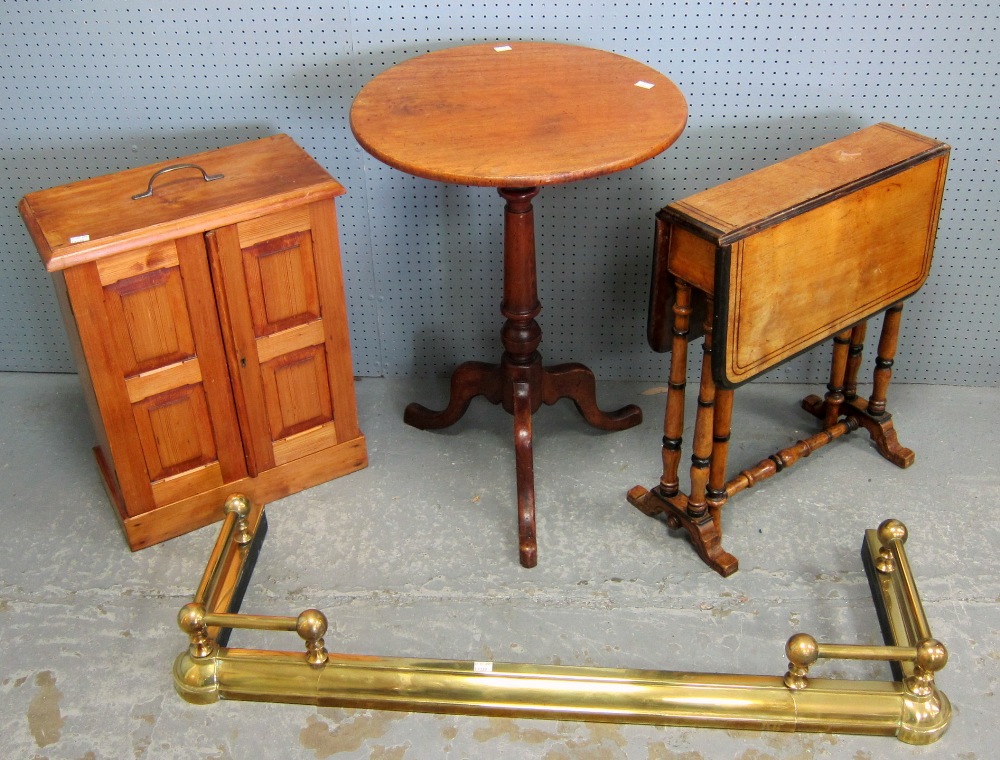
(645,85)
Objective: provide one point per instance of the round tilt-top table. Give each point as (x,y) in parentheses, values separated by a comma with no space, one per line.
(516,117)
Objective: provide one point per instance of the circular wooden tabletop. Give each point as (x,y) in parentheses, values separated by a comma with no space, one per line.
(521,114)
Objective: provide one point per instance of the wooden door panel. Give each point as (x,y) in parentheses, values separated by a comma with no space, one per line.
(297,392)
(149,317)
(163,331)
(175,431)
(281,283)
(274,277)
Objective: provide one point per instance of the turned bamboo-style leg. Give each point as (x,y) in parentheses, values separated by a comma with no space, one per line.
(838,371)
(854,357)
(702,517)
(673,420)
(702,523)
(701,447)
(871,414)
(716,495)
(884,360)
(878,421)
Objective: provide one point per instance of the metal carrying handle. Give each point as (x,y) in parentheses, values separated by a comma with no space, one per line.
(149,188)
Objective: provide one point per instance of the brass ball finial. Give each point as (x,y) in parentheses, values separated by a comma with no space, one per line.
(892,530)
(237,504)
(931,655)
(889,531)
(802,650)
(191,618)
(311,625)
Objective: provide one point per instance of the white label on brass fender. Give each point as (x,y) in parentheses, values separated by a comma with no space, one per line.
(482,667)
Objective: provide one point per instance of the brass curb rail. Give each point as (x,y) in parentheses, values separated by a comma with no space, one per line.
(909,707)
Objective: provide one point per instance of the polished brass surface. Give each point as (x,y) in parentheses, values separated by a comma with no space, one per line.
(216,562)
(910,708)
(239,506)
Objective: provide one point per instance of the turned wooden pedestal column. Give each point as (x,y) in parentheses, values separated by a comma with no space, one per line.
(519,382)
(517,117)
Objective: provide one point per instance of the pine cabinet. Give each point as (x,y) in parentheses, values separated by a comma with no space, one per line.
(204,302)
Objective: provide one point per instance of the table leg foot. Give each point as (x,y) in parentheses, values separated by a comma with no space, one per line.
(703,533)
(524,462)
(469,380)
(880,428)
(576,382)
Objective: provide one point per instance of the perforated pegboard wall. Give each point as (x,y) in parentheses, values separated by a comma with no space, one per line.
(94,86)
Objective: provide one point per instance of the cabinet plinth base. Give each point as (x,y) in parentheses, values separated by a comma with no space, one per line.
(179,517)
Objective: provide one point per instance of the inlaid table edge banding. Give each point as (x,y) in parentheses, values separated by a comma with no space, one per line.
(882,224)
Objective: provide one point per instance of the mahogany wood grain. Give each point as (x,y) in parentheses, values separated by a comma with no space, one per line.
(517,117)
(533,114)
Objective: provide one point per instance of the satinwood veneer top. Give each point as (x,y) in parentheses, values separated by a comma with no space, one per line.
(746,204)
(517,115)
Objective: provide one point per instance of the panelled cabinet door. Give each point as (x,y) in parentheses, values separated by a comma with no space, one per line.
(283,294)
(209,327)
(149,315)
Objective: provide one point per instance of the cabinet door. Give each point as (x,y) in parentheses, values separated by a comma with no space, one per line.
(282,287)
(149,327)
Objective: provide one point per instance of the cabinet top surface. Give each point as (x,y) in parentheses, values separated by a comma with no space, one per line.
(96,217)
(517,115)
(780,190)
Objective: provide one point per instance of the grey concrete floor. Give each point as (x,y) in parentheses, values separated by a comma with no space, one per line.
(416,556)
